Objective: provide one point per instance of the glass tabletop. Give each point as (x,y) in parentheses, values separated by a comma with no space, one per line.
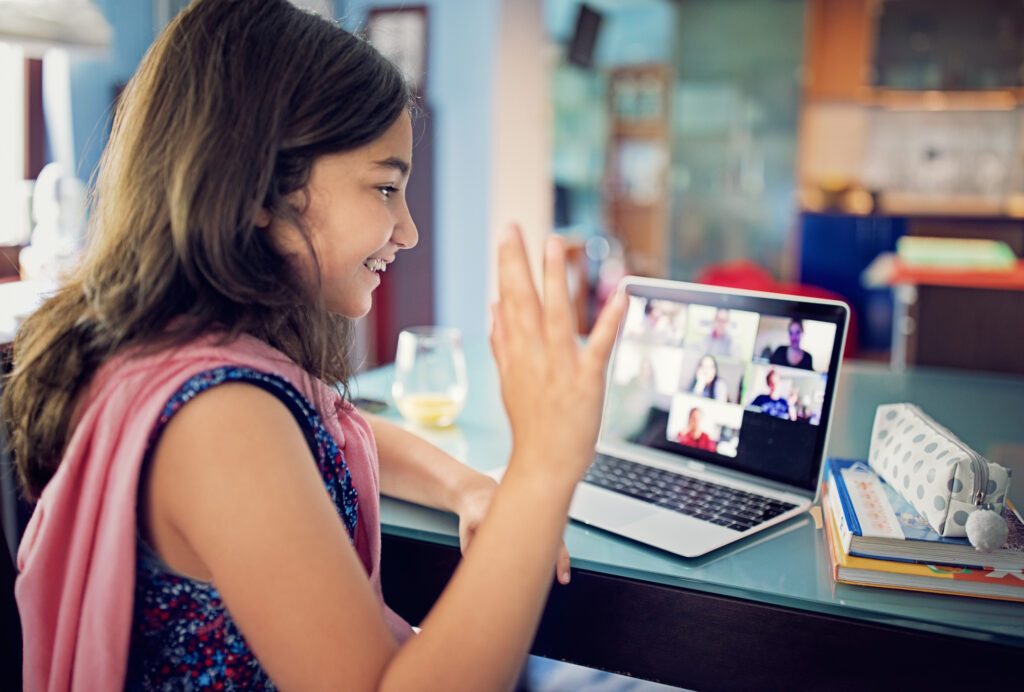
(786,565)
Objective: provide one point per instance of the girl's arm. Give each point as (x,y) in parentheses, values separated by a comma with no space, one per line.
(233,495)
(721,392)
(414,470)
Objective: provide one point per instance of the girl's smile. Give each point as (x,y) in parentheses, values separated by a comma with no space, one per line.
(357,219)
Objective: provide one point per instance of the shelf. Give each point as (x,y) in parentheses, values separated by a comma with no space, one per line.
(639,156)
(640,129)
(909,204)
(888,270)
(916,205)
(993,100)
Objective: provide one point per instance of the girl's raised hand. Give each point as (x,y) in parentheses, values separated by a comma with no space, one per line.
(551,386)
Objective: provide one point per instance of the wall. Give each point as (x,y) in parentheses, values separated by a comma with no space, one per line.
(632,31)
(521,187)
(94,78)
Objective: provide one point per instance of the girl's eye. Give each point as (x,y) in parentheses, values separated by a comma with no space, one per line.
(387,190)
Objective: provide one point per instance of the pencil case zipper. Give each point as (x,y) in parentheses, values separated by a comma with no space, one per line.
(978,464)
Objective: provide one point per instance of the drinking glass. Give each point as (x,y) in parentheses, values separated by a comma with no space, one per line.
(430,375)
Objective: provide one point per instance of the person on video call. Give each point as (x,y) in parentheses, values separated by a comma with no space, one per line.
(661,322)
(773,404)
(706,381)
(694,436)
(718,342)
(792,355)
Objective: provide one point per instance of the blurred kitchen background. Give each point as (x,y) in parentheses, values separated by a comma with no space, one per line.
(770,144)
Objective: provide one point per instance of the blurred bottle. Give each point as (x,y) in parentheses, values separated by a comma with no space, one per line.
(58,209)
(607,254)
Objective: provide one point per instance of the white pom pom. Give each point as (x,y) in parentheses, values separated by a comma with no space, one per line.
(986,530)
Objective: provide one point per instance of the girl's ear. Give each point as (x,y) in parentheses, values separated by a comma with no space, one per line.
(263,218)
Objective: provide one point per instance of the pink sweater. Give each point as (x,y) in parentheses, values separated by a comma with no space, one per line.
(77,558)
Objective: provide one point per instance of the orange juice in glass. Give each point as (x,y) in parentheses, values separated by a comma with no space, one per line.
(430,375)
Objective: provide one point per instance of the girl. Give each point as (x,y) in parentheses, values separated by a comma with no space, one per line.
(206,503)
(706,382)
(772,403)
(792,354)
(694,435)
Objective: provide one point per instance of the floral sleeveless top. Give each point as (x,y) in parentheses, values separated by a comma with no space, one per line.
(182,637)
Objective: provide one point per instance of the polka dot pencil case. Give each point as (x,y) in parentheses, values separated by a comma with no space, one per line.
(943,478)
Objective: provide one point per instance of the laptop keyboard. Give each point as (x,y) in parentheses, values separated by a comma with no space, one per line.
(718,504)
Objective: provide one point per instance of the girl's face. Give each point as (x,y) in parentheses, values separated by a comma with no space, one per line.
(694,420)
(707,369)
(795,332)
(720,322)
(357,218)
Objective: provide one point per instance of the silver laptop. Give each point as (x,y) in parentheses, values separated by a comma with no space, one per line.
(716,415)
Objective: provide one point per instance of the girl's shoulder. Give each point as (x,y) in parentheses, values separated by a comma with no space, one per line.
(142,373)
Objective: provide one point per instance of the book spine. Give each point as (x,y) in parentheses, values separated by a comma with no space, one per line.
(843,495)
(836,508)
(831,539)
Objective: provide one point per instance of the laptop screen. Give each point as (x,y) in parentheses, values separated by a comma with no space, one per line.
(739,379)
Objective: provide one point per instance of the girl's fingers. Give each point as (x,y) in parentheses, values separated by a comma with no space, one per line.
(562,565)
(521,314)
(497,337)
(602,336)
(520,305)
(558,315)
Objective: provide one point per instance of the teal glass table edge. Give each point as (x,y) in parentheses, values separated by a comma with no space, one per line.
(637,610)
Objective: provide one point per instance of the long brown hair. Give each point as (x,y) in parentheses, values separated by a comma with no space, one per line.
(225,115)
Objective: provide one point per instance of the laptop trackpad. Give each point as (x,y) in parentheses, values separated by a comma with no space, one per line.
(608,509)
(679,533)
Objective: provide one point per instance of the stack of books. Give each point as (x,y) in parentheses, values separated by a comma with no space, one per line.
(877,538)
(968,253)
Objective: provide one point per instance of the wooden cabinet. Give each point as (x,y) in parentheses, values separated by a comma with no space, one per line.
(962,327)
(637,189)
(975,327)
(838,49)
